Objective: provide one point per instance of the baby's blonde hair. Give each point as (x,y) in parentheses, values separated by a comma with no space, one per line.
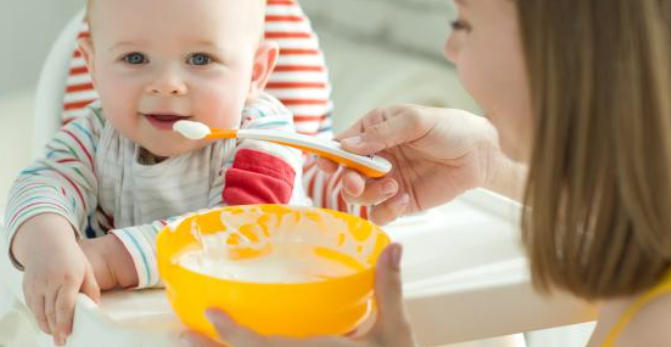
(89,6)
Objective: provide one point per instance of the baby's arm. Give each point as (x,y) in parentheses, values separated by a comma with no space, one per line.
(259,173)
(263,172)
(48,205)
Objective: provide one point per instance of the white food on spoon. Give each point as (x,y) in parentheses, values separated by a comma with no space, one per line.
(191,130)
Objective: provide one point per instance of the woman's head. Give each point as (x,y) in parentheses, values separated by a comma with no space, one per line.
(600,173)
(597,83)
(485,46)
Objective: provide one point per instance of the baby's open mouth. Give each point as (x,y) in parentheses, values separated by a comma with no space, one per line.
(164,121)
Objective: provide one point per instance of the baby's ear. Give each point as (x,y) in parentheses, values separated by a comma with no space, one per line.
(86,47)
(264,64)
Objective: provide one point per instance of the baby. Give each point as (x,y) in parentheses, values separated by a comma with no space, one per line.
(85,217)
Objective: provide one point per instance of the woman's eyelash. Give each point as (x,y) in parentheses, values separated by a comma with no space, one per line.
(460,25)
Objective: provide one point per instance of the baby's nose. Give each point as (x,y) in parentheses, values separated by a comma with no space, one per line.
(167,84)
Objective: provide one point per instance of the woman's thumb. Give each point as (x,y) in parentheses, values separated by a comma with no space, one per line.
(388,287)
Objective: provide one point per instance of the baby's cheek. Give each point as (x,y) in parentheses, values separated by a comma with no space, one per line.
(221,107)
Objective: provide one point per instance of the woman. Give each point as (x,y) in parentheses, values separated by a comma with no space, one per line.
(578,90)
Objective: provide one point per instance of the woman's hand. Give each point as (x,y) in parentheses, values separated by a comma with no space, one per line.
(436,153)
(391,329)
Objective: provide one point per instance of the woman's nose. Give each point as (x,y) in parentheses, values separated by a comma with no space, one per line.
(450,49)
(167,83)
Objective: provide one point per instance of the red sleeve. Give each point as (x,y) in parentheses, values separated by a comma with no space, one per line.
(258,178)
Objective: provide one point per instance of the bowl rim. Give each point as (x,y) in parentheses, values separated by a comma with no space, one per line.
(165,261)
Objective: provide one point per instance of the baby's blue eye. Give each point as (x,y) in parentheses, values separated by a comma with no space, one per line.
(199,59)
(135,58)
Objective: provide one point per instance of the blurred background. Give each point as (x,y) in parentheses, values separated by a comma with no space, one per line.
(379,52)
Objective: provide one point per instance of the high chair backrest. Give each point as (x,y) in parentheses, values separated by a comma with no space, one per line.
(300,81)
(51,86)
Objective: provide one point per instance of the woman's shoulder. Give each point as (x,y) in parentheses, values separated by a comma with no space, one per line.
(649,326)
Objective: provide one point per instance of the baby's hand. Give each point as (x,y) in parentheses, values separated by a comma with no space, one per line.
(112,265)
(56,270)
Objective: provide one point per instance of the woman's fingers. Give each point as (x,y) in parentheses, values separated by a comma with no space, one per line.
(359,191)
(237,335)
(327,166)
(391,209)
(194,339)
(387,133)
(353,185)
(232,332)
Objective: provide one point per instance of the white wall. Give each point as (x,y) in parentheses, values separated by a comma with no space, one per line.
(27,29)
(412,26)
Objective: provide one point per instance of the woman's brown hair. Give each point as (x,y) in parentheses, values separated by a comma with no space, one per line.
(599,188)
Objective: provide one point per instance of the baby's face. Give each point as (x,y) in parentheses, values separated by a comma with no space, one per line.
(157,61)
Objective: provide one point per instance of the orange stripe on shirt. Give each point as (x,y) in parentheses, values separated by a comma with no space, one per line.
(294,68)
(79,70)
(306,118)
(77,105)
(280,2)
(298,51)
(276,18)
(294,102)
(79,87)
(287,35)
(288,85)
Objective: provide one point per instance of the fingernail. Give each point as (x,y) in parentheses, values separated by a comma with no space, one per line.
(353,141)
(210,314)
(221,320)
(184,340)
(396,253)
(403,202)
(389,188)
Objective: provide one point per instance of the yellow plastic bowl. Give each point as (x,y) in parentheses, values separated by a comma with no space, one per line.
(319,307)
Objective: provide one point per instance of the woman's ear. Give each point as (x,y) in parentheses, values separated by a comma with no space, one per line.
(86,48)
(264,64)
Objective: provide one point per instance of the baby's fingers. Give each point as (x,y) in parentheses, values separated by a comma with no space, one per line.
(50,312)
(35,303)
(90,286)
(65,305)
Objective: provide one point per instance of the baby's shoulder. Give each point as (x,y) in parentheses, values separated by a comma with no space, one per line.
(267,105)
(90,118)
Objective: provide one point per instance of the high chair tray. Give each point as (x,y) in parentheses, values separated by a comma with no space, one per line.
(464,275)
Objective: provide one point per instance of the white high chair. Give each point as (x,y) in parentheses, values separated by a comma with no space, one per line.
(464,274)
(51,86)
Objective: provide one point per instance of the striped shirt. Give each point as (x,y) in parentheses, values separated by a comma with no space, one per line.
(93,176)
(300,81)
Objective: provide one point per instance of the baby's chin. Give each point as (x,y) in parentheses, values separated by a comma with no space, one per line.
(161,151)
